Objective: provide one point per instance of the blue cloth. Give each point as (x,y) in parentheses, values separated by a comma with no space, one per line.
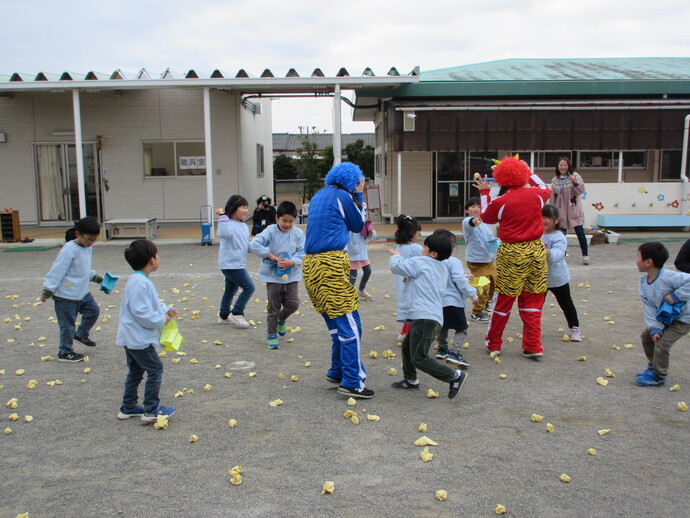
(275,241)
(234,243)
(332,216)
(668,313)
(140,361)
(346,335)
(66,313)
(422,297)
(458,287)
(142,314)
(235,279)
(677,284)
(71,272)
(406,251)
(480,242)
(557,246)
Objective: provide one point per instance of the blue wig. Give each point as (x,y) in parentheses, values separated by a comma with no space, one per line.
(346,174)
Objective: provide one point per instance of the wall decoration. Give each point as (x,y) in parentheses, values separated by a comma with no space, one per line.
(660,197)
(598,205)
(584,195)
(675,204)
(641,190)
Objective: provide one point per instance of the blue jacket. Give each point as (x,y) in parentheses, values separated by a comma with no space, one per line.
(557,246)
(332,216)
(234,243)
(71,272)
(422,296)
(142,314)
(273,240)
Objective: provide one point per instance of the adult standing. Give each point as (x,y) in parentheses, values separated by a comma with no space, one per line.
(566,194)
(264,215)
(334,212)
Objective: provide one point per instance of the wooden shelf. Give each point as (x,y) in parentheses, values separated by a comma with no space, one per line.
(9,224)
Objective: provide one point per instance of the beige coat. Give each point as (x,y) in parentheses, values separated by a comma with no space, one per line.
(567,196)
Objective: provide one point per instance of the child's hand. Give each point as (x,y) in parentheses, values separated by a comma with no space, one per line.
(655,337)
(470,276)
(393,252)
(273,258)
(173,313)
(668,298)
(482,183)
(475,299)
(220,212)
(285,263)
(476,222)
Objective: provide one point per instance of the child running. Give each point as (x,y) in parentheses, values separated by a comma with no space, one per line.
(232,259)
(405,237)
(421,306)
(457,290)
(67,283)
(558,277)
(282,248)
(142,315)
(480,255)
(359,258)
(660,284)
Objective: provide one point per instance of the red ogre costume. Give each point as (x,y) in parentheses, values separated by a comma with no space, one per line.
(521,257)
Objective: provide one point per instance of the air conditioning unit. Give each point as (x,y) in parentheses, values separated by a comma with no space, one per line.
(257,108)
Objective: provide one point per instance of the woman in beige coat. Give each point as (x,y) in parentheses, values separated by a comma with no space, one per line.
(566,194)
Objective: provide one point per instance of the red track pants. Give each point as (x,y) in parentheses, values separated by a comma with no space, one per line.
(529,306)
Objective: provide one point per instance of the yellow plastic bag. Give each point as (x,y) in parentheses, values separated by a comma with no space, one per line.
(171,337)
(479,283)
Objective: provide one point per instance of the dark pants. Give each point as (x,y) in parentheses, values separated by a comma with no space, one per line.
(235,279)
(415,352)
(565,301)
(659,353)
(366,273)
(140,361)
(66,313)
(283,301)
(580,232)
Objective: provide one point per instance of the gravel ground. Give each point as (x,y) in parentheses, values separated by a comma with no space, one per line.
(76,459)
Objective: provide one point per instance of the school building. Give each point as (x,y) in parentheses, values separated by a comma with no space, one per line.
(622,122)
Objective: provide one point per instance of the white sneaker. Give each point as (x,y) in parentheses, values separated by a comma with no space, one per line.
(575,335)
(238,321)
(365,294)
(224,320)
(401,338)
(585,259)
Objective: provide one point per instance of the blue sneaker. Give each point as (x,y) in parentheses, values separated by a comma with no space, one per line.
(649,379)
(442,353)
(282,328)
(150,417)
(272,340)
(457,359)
(649,368)
(126,413)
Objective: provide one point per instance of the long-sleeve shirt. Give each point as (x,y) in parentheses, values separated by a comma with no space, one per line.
(234,243)
(357,246)
(281,244)
(652,295)
(518,211)
(332,216)
(71,272)
(422,296)
(478,242)
(142,314)
(406,251)
(458,287)
(557,246)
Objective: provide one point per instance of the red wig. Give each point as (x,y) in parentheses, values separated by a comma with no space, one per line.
(512,172)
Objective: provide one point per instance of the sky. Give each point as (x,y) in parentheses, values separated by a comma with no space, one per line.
(204,35)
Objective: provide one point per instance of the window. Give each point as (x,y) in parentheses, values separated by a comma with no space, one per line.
(550,159)
(174,159)
(597,159)
(259,160)
(670,164)
(377,165)
(634,160)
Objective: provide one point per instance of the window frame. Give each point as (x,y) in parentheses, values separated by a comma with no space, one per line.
(176,158)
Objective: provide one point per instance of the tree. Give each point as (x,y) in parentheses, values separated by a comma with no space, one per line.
(284,168)
(362,155)
(310,162)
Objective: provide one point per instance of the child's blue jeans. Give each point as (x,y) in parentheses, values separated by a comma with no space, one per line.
(140,361)
(66,313)
(236,279)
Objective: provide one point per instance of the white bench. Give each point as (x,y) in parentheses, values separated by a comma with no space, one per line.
(128,228)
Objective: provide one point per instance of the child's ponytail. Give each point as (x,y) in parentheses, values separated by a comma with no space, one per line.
(407,228)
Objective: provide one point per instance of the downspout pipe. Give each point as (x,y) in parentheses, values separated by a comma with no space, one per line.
(684,167)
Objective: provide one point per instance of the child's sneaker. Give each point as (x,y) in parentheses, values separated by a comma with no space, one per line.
(649,379)
(401,337)
(86,341)
(442,353)
(487,307)
(457,384)
(575,335)
(272,340)
(361,393)
(150,417)
(533,356)
(649,368)
(282,328)
(585,259)
(457,359)
(480,317)
(404,384)
(493,354)
(331,379)
(239,321)
(70,357)
(225,320)
(365,294)
(126,413)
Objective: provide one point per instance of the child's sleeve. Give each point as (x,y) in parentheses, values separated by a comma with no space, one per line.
(299,254)
(650,311)
(400,266)
(259,245)
(354,217)
(681,282)
(224,227)
(461,283)
(145,314)
(59,269)
(558,250)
